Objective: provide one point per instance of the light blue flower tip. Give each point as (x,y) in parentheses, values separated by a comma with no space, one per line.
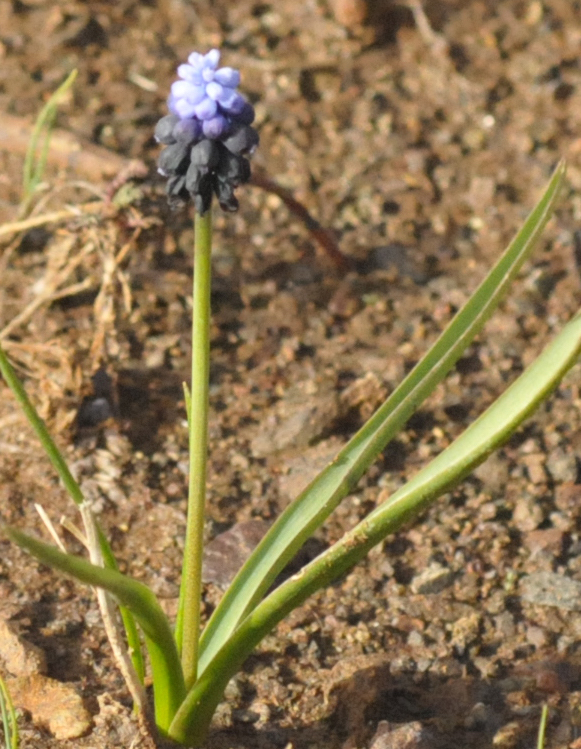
(208,95)
(212,58)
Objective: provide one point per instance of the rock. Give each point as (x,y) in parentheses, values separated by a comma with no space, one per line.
(298,471)
(19,657)
(465,630)
(535,463)
(528,514)
(551,589)
(349,12)
(568,498)
(227,552)
(494,474)
(508,736)
(537,636)
(562,466)
(405,736)
(432,580)
(307,411)
(366,393)
(52,704)
(116,725)
(352,686)
(548,541)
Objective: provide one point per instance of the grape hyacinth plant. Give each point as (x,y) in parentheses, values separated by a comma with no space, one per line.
(207,137)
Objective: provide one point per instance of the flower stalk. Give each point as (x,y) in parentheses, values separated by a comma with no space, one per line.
(188,626)
(207,136)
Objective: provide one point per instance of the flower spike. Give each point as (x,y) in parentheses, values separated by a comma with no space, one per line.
(208,134)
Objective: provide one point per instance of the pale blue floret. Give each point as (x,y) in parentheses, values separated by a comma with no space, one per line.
(206,93)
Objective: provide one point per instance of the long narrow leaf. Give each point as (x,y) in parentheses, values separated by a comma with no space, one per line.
(319,499)
(168,681)
(129,625)
(47,442)
(71,485)
(487,433)
(32,172)
(543,727)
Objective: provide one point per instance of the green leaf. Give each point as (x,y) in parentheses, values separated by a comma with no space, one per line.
(33,172)
(9,721)
(543,727)
(71,485)
(319,499)
(129,625)
(487,433)
(47,442)
(168,682)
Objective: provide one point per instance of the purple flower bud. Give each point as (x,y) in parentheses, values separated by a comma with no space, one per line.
(188,131)
(191,74)
(187,90)
(184,108)
(236,104)
(205,155)
(172,159)
(242,141)
(230,100)
(214,90)
(215,127)
(164,129)
(246,116)
(196,60)
(211,59)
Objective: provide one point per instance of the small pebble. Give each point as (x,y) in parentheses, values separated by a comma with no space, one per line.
(349,12)
(527,515)
(53,704)
(432,580)
(551,589)
(562,466)
(404,736)
(19,657)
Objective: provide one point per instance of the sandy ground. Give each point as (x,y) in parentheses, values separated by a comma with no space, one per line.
(419,144)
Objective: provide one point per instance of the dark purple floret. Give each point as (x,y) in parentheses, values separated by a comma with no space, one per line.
(164,129)
(233,169)
(187,131)
(205,155)
(207,135)
(243,140)
(246,114)
(173,159)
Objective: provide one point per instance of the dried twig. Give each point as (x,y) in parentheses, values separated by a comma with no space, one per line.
(111,622)
(323,236)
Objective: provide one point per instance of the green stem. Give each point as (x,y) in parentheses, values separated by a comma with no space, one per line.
(188,624)
(39,427)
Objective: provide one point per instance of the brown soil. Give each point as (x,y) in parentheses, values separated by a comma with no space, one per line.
(422,147)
